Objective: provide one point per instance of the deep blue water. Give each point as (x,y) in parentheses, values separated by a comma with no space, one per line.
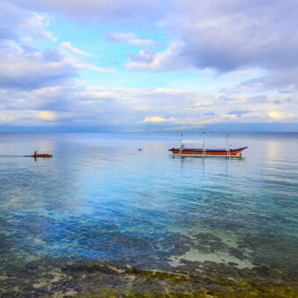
(101,199)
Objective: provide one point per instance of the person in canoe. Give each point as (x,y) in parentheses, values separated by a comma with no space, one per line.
(39,155)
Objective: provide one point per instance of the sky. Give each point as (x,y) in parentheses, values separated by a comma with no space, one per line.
(148,66)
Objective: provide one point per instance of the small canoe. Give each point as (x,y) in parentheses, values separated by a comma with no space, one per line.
(40,155)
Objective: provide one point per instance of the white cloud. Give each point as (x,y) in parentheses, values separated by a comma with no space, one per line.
(75,104)
(224,35)
(67,45)
(74,57)
(123,12)
(19,25)
(240,38)
(239,113)
(219,36)
(33,29)
(131,39)
(155,119)
(168,60)
(27,67)
(47,115)
(280,80)
(31,68)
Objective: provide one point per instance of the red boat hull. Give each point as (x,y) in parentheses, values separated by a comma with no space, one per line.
(208,152)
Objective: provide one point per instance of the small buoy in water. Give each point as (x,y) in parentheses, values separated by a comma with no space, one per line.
(140,149)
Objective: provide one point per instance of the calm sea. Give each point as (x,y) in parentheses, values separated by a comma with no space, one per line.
(104,218)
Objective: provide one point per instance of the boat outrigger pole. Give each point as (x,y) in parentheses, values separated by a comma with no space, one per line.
(204,150)
(227,145)
(181,148)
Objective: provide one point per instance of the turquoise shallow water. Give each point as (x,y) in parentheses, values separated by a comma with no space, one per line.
(100,199)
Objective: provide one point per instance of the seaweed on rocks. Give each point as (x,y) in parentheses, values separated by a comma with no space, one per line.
(150,274)
(113,279)
(208,242)
(237,253)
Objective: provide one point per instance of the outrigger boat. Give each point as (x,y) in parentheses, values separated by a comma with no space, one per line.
(198,148)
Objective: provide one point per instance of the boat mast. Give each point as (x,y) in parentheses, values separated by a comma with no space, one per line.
(181,148)
(227,145)
(204,151)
